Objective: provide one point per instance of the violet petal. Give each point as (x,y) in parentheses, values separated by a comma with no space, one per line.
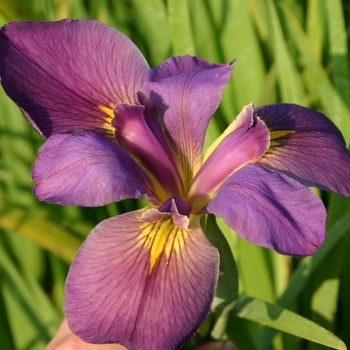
(270,209)
(314,153)
(86,169)
(134,134)
(62,73)
(113,297)
(187,91)
(245,143)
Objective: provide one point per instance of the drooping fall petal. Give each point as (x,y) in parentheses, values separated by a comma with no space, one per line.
(307,146)
(69,75)
(86,169)
(146,285)
(270,209)
(187,90)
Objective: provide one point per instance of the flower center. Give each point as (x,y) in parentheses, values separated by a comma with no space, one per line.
(178,205)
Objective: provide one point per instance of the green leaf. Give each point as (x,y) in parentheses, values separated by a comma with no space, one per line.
(180,27)
(34,225)
(325,290)
(269,92)
(227,288)
(308,265)
(243,332)
(286,321)
(32,317)
(14,10)
(338,47)
(239,41)
(333,104)
(325,298)
(344,311)
(306,269)
(5,331)
(255,271)
(316,26)
(260,12)
(152,19)
(205,32)
(289,80)
(59,271)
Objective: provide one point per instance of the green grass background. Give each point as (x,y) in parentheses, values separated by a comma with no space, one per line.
(294,51)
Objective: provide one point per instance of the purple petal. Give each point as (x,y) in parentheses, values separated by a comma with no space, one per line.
(314,153)
(62,73)
(187,90)
(112,296)
(270,209)
(86,169)
(134,134)
(246,142)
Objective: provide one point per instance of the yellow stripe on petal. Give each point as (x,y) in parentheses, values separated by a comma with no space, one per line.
(108,118)
(108,111)
(278,137)
(277,134)
(162,236)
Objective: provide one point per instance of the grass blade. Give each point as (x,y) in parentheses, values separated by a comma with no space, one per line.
(286,321)
(180,27)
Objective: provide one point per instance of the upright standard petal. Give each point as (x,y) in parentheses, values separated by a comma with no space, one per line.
(245,141)
(307,146)
(115,295)
(86,169)
(270,209)
(149,147)
(69,75)
(187,91)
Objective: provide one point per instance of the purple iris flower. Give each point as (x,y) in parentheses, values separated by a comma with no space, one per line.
(116,129)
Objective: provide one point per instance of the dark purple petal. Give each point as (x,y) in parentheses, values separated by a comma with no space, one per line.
(187,90)
(112,295)
(134,134)
(245,143)
(86,169)
(270,209)
(314,152)
(62,73)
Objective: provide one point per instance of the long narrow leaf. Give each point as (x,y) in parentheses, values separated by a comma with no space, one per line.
(305,270)
(180,27)
(338,49)
(286,321)
(227,289)
(289,80)
(33,319)
(152,19)
(45,233)
(334,106)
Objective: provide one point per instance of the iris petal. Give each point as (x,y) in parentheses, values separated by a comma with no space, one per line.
(86,169)
(134,133)
(245,142)
(270,209)
(175,87)
(239,127)
(112,295)
(68,75)
(307,146)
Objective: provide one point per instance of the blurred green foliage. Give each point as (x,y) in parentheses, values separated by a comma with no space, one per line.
(294,51)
